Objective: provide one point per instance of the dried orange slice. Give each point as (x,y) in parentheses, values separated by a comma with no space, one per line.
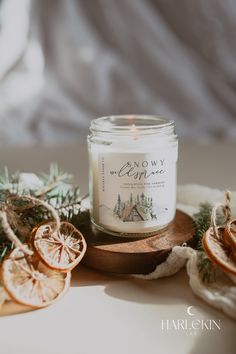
(29,282)
(62,249)
(218,252)
(230,234)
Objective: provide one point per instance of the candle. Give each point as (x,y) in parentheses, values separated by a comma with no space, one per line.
(132,174)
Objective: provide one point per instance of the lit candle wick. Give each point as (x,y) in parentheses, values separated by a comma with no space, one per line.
(134,130)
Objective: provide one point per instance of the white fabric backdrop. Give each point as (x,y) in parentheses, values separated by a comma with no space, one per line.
(66,62)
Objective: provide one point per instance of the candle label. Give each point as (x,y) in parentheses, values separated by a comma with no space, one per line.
(136,190)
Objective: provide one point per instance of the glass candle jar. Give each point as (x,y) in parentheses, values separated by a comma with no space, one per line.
(132,174)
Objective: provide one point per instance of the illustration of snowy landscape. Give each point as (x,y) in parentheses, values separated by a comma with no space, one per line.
(136,208)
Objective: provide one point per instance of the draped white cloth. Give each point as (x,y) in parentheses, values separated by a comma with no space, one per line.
(66,62)
(221,293)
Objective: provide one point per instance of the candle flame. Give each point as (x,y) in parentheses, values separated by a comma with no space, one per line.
(134,130)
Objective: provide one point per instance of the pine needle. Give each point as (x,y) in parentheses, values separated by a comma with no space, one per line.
(56,189)
(202,221)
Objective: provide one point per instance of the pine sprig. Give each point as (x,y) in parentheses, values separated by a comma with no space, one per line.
(8,183)
(202,221)
(52,181)
(56,188)
(206,268)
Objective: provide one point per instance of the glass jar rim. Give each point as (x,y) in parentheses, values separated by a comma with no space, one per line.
(127,123)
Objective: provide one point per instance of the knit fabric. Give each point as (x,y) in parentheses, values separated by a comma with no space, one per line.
(221,293)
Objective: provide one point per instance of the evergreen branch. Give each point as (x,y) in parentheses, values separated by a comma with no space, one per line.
(55,188)
(202,221)
(206,268)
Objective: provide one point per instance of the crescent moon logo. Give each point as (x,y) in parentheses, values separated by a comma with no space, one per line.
(189,311)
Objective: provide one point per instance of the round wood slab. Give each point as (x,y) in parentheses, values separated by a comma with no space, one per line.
(135,256)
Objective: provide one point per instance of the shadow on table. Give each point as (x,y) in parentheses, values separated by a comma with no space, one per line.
(174,290)
(171,290)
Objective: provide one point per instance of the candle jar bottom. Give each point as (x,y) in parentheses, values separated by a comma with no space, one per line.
(153,232)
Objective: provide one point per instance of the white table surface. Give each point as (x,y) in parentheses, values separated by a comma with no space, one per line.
(105,314)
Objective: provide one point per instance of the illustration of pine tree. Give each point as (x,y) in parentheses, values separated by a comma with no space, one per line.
(146,202)
(119,205)
(117,208)
(131,199)
(122,207)
(142,199)
(138,201)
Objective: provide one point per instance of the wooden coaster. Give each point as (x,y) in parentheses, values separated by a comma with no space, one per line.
(135,256)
